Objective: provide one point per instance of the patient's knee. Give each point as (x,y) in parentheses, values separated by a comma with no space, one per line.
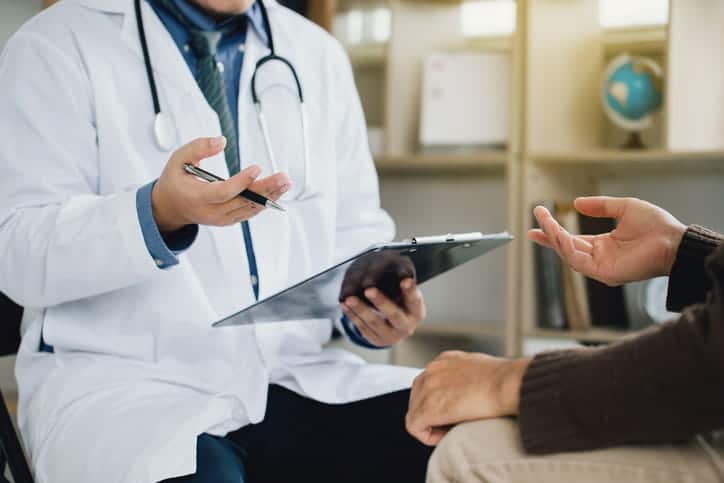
(471,444)
(492,439)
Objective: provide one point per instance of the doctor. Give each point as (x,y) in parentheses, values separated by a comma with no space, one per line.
(123,261)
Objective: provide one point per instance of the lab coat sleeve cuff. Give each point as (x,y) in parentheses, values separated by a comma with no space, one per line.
(350,330)
(163,250)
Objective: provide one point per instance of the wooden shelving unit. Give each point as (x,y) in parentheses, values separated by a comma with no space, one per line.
(567,138)
(654,158)
(444,162)
(560,143)
(437,192)
(482,329)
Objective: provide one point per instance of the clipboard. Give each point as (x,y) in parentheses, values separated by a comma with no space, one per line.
(383,265)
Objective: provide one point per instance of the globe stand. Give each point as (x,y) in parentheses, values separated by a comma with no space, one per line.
(634,141)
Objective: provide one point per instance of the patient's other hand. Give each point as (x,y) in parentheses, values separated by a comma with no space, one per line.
(643,245)
(458,387)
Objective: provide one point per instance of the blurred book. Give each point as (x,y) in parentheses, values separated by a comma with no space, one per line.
(607,304)
(465,100)
(575,294)
(550,309)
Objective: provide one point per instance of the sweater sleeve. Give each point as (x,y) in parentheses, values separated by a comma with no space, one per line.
(666,384)
(688,283)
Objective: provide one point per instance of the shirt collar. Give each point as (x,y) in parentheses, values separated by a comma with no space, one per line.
(204,22)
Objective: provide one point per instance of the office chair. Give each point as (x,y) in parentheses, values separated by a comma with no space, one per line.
(11,452)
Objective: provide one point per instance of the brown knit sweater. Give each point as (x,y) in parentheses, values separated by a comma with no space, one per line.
(664,385)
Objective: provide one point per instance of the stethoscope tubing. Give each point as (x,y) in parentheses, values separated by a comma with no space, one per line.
(147,58)
(161,122)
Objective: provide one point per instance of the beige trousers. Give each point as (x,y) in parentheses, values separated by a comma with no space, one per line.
(491,452)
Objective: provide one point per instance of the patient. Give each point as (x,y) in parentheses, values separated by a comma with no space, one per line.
(657,390)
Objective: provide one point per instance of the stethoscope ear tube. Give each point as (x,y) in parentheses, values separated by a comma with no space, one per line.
(267,138)
(147,57)
(269,58)
(164,130)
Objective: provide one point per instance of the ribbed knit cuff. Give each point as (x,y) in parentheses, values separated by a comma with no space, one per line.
(688,282)
(545,423)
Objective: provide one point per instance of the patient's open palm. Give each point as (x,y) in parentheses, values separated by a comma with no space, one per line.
(642,246)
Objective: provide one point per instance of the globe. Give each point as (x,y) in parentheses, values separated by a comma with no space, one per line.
(632,93)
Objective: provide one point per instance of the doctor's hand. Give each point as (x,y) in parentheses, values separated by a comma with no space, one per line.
(643,245)
(458,387)
(386,322)
(180,199)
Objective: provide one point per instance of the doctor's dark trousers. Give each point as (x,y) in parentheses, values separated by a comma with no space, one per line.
(301,440)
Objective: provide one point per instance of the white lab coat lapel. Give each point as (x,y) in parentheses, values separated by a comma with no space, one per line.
(167,61)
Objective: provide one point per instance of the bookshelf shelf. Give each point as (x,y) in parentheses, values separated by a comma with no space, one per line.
(654,159)
(368,55)
(560,145)
(476,161)
(635,40)
(593,335)
(469,329)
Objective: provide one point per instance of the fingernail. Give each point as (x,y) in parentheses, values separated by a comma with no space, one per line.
(285,187)
(371,293)
(352,302)
(254,171)
(407,284)
(217,142)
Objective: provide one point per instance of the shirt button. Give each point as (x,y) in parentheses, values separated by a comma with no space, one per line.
(159,262)
(220,66)
(242,47)
(254,280)
(187,48)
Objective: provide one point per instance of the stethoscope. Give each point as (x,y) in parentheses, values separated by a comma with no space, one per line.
(164,130)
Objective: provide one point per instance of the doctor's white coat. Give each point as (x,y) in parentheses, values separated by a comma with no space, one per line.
(137,372)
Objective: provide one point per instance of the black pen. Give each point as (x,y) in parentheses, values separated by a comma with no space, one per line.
(248,194)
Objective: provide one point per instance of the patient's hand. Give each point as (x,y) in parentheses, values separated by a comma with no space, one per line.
(643,245)
(458,387)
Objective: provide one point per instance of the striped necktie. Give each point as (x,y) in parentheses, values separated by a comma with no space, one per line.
(211,83)
(210,80)
(204,45)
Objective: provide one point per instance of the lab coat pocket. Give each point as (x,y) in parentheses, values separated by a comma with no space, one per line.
(117,324)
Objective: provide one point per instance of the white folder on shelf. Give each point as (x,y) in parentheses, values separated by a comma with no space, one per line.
(465,99)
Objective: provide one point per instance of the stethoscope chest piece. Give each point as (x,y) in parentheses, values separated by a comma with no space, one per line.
(164,131)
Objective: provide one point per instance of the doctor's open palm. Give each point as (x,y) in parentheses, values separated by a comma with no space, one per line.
(643,245)
(180,199)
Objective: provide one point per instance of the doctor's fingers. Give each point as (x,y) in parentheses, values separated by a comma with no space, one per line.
(248,211)
(370,323)
(413,300)
(240,209)
(197,150)
(273,187)
(223,191)
(395,315)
